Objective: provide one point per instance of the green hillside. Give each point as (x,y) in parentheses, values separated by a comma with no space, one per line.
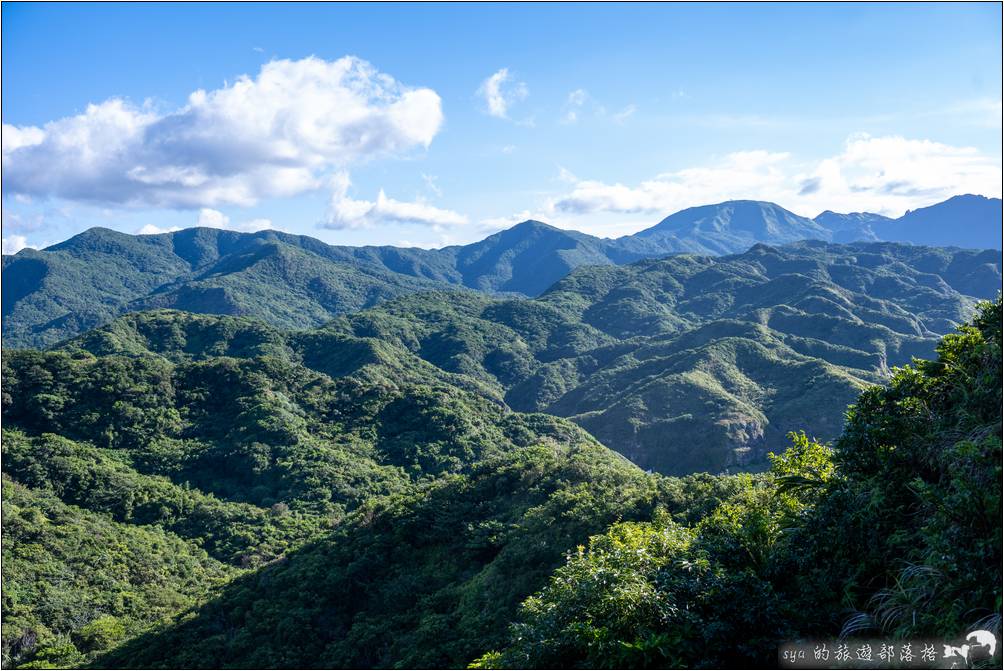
(210,446)
(696,363)
(892,535)
(87,281)
(267,514)
(315,498)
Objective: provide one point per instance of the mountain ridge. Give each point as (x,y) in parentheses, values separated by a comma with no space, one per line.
(87,280)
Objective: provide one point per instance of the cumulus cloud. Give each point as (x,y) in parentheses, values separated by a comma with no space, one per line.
(888,175)
(276,134)
(345,212)
(153,229)
(500,91)
(12,244)
(210,218)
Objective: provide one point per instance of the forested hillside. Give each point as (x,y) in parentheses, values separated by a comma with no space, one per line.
(315,499)
(191,490)
(893,532)
(197,447)
(92,278)
(700,363)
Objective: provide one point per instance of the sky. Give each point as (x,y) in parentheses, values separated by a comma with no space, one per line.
(437,124)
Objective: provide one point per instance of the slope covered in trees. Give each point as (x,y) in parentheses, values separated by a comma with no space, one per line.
(895,532)
(172,451)
(197,491)
(431,573)
(696,363)
(90,279)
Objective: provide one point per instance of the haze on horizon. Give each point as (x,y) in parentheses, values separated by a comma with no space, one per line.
(432,125)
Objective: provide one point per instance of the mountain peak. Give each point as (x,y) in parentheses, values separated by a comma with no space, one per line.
(531,225)
(733,226)
(967,220)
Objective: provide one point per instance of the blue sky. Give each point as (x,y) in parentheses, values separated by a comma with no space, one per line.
(439,124)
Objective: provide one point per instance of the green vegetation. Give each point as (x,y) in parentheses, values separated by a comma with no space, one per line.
(413,485)
(396,489)
(296,281)
(90,279)
(288,280)
(898,526)
(682,365)
(75,583)
(695,363)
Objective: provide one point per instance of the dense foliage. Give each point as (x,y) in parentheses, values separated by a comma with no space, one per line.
(896,532)
(308,457)
(186,490)
(696,363)
(90,279)
(76,583)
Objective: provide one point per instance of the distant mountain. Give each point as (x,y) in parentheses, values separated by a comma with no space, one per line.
(527,258)
(297,281)
(968,221)
(853,227)
(291,281)
(729,227)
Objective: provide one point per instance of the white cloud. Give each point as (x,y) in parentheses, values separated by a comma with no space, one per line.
(624,114)
(888,175)
(430,184)
(151,229)
(501,91)
(347,213)
(276,134)
(210,218)
(12,244)
(576,99)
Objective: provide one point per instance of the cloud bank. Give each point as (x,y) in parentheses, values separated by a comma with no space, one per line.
(348,213)
(276,134)
(887,175)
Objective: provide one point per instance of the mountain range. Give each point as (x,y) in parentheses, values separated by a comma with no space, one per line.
(684,364)
(198,491)
(299,282)
(543,450)
(699,363)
